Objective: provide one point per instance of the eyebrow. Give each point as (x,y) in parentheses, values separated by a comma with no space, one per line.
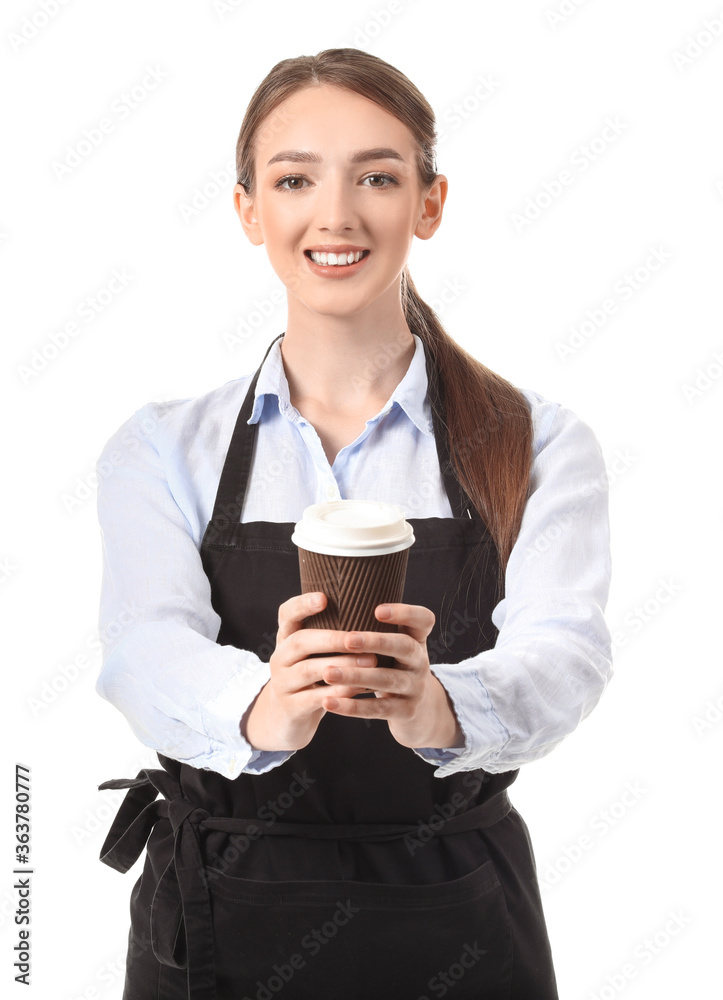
(360,156)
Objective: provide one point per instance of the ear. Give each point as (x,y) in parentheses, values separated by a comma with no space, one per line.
(431,213)
(244,207)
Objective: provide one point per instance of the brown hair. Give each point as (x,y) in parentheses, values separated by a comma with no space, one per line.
(488,422)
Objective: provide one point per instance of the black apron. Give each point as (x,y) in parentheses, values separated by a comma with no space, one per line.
(349,871)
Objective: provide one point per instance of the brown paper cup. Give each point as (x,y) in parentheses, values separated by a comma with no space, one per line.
(354,586)
(356,553)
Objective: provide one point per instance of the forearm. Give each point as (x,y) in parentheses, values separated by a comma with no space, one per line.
(182,693)
(184,696)
(515,704)
(552,660)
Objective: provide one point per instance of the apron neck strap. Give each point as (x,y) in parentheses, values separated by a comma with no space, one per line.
(237,467)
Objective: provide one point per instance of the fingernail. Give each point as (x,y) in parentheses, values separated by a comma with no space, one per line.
(384,611)
(315,601)
(332,703)
(355,641)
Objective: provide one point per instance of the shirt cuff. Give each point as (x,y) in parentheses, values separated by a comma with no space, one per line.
(484,735)
(221,718)
(433,755)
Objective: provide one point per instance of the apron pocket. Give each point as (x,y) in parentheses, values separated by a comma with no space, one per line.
(323,940)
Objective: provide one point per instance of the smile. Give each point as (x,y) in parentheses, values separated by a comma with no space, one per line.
(334,259)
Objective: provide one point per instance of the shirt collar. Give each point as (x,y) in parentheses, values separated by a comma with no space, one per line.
(410,395)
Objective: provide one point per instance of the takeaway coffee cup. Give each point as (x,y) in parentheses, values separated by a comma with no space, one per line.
(355,552)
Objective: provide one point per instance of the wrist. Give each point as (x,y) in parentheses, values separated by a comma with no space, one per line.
(268,726)
(447,731)
(252,725)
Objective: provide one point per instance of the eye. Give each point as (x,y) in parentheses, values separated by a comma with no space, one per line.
(386,178)
(281,182)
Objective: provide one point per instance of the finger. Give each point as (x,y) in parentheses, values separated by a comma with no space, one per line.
(308,642)
(310,672)
(360,708)
(382,680)
(407,651)
(416,620)
(293,612)
(340,691)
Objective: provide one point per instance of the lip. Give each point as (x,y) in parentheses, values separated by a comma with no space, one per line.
(335,248)
(336,271)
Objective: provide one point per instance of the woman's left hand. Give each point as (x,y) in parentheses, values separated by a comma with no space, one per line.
(408,695)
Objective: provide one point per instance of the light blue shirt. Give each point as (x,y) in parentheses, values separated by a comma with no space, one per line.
(184,695)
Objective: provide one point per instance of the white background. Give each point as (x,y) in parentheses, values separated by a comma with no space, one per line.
(625,814)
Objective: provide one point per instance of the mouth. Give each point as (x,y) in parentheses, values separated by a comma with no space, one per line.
(342,259)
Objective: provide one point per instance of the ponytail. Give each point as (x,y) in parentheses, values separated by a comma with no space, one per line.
(488,424)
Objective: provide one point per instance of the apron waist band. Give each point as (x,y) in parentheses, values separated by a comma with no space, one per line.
(478,817)
(141,810)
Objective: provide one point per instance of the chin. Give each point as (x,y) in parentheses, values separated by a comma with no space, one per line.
(335,301)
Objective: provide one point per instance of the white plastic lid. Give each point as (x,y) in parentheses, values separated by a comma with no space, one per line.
(353,528)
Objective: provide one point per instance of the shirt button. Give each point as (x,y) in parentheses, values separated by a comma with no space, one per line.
(331,492)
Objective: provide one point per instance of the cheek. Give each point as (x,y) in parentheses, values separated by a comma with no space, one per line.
(397,224)
(278,222)
(273,226)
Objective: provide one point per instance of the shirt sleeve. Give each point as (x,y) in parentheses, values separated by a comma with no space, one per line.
(552,659)
(182,694)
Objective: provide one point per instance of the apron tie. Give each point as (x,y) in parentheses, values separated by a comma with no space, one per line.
(180,917)
(136,817)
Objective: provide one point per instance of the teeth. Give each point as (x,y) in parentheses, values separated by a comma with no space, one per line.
(333,258)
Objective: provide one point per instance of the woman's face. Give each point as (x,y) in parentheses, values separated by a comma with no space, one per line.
(334,170)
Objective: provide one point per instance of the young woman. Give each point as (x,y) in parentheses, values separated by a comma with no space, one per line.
(330,828)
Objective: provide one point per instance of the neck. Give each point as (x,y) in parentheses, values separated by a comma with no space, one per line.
(345,363)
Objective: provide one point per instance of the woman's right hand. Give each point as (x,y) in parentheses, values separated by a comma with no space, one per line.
(288,708)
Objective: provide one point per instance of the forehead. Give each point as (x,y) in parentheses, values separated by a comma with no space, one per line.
(327,119)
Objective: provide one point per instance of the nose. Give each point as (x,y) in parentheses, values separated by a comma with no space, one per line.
(336,208)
